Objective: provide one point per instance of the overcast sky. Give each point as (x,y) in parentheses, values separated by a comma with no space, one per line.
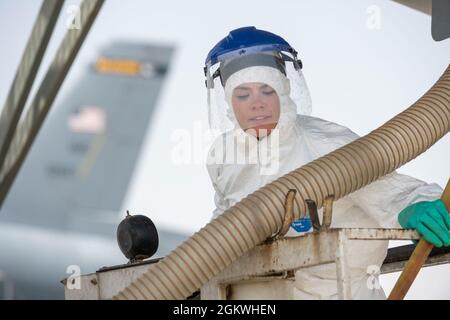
(360,74)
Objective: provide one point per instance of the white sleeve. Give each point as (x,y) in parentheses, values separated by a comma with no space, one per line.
(220,205)
(219,200)
(384,198)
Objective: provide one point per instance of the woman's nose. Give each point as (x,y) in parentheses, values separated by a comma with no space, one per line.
(257,106)
(257,103)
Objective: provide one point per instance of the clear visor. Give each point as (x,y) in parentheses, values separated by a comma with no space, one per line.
(286,78)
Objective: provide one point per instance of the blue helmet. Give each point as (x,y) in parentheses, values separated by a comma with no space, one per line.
(247,39)
(245,42)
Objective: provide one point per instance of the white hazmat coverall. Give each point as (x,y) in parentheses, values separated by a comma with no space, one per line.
(303,139)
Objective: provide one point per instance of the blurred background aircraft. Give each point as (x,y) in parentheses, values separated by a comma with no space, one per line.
(65,205)
(135,96)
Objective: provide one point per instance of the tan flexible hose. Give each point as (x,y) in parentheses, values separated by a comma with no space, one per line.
(260,214)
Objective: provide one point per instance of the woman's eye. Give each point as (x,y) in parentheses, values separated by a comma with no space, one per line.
(242,97)
(268,93)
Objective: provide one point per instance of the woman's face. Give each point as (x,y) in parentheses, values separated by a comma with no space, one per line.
(256,106)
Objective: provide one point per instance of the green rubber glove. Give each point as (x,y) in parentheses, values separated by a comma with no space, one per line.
(430,219)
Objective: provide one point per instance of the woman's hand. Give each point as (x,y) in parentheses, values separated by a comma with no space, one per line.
(430,218)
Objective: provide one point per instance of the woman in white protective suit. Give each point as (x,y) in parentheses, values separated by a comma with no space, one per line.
(258,98)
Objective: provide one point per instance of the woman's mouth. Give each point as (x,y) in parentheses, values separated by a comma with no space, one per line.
(260,118)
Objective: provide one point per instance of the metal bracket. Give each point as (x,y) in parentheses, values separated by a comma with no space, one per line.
(327,213)
(312,207)
(288,216)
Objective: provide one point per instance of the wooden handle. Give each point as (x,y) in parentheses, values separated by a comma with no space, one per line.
(417,259)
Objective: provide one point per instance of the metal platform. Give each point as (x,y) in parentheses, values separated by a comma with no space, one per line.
(268,268)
